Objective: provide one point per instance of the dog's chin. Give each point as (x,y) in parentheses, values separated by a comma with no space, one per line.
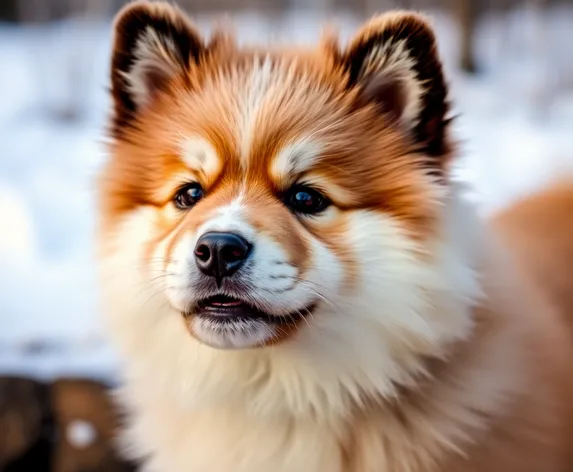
(230,323)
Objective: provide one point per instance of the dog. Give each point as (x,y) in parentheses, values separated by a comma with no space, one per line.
(293,277)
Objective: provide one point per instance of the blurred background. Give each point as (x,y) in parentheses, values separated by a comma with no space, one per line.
(511,68)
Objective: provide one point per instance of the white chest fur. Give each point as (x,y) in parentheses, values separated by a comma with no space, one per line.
(226,441)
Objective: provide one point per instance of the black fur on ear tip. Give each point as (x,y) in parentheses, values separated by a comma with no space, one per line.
(403,41)
(388,30)
(134,20)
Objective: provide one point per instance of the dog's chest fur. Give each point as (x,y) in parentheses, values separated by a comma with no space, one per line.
(458,422)
(214,441)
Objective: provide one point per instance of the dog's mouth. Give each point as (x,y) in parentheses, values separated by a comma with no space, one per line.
(227,309)
(231,322)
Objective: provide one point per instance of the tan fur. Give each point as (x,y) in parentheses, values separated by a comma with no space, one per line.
(539,231)
(437,343)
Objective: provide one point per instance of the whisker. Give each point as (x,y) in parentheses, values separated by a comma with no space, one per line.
(316,284)
(153,295)
(319,295)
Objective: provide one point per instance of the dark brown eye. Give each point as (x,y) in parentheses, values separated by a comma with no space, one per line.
(188,196)
(305,200)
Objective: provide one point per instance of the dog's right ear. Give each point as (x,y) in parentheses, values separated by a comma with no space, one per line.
(394,64)
(154,43)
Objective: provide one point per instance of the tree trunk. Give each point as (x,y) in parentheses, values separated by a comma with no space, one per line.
(466,12)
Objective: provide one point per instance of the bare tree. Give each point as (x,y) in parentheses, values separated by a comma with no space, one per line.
(466,12)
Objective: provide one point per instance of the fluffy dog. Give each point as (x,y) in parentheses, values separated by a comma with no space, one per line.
(292,276)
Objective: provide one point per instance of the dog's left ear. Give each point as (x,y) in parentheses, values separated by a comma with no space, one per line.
(394,63)
(154,43)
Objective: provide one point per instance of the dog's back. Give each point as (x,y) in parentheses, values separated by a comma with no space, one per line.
(539,230)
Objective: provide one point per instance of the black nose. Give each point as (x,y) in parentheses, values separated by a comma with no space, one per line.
(221,254)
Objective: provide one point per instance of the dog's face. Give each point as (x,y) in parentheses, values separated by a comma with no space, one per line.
(283,197)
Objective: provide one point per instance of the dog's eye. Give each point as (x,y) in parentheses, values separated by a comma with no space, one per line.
(188,196)
(305,200)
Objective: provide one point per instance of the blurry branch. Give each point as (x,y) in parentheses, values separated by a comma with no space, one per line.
(23,407)
(8,10)
(34,11)
(40,11)
(545,87)
(377,6)
(466,13)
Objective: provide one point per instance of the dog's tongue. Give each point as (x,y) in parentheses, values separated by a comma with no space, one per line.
(225,302)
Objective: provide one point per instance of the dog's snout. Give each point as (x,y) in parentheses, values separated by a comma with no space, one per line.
(221,254)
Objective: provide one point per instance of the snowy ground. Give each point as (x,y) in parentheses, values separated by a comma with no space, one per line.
(516,124)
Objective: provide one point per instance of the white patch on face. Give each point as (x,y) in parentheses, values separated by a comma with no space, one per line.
(281,287)
(182,270)
(242,334)
(265,82)
(335,191)
(407,295)
(200,155)
(181,261)
(295,158)
(251,103)
(228,218)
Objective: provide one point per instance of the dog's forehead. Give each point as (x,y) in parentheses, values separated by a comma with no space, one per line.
(261,109)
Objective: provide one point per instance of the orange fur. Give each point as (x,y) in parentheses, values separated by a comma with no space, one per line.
(539,230)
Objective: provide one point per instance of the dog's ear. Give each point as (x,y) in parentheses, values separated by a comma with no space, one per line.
(394,63)
(154,43)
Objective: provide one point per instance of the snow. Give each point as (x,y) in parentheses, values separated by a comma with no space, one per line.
(516,129)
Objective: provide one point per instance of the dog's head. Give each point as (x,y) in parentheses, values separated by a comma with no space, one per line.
(291,203)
